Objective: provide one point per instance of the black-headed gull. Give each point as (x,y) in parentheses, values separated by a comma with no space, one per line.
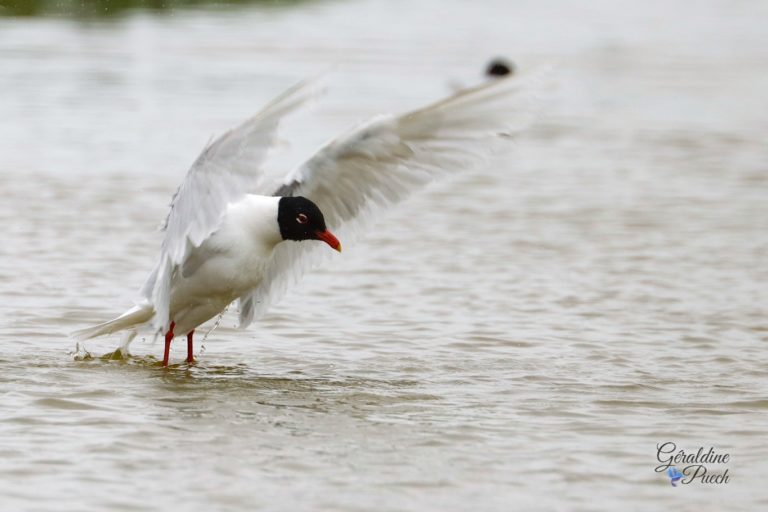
(225,233)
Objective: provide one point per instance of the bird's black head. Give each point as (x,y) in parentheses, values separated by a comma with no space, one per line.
(300,219)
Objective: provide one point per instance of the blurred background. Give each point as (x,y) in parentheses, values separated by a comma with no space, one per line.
(524,336)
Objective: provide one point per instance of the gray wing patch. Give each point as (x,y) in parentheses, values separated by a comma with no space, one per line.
(287,190)
(196,258)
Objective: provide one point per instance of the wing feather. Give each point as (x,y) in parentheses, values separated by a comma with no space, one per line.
(384,160)
(225,171)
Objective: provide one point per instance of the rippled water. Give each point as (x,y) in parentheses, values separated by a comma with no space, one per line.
(517,339)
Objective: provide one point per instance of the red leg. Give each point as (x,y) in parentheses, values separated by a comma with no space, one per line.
(168,340)
(190,358)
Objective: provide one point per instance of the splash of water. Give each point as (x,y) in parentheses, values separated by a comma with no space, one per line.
(213,328)
(80,353)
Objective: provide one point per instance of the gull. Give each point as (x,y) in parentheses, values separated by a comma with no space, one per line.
(232,234)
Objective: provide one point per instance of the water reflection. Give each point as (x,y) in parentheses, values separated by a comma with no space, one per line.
(214,390)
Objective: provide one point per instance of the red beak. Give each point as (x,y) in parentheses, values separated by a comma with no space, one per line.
(327,237)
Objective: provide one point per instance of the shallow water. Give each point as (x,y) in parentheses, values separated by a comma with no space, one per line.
(520,338)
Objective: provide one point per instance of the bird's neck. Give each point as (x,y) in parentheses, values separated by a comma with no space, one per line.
(255,217)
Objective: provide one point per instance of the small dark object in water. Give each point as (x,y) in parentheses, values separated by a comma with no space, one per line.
(500,67)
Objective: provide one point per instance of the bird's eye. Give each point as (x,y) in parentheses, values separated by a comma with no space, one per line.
(302,219)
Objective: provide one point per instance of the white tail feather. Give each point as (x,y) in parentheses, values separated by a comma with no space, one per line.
(134,316)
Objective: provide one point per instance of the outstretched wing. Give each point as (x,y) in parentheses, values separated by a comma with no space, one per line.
(383,161)
(224,172)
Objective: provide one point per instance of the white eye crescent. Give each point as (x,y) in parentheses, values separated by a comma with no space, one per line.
(302,219)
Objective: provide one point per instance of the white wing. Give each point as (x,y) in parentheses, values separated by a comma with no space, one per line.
(223,173)
(383,161)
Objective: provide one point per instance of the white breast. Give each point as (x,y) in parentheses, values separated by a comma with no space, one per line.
(226,265)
